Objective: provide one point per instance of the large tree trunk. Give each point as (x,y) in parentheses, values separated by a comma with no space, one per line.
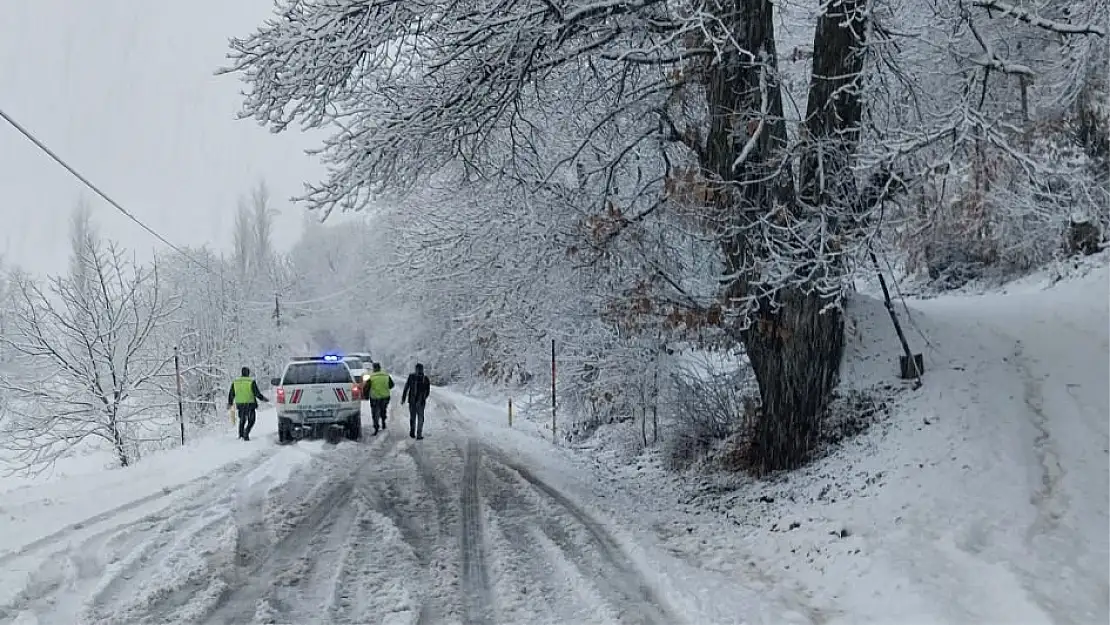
(795,347)
(795,352)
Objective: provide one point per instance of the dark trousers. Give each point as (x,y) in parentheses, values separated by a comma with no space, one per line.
(246,419)
(378,410)
(416,418)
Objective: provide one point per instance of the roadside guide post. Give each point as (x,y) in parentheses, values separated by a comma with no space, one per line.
(554,439)
(180,404)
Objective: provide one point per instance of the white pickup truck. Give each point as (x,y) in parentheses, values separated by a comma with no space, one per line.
(315,393)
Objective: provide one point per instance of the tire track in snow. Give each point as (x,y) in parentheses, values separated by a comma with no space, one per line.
(1051,504)
(597,555)
(1053,534)
(176,566)
(349,601)
(176,574)
(251,577)
(594,552)
(257,563)
(48,591)
(271,561)
(475,578)
(297,591)
(537,580)
(401,545)
(443,560)
(382,530)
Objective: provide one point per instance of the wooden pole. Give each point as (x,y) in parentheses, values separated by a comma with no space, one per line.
(553,437)
(180,402)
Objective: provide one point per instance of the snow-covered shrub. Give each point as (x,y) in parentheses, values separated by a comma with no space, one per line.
(707,409)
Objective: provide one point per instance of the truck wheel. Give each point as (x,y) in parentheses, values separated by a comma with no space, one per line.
(285,431)
(354,428)
(334,433)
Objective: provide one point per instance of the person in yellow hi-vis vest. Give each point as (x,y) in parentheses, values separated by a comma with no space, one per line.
(244,394)
(377,389)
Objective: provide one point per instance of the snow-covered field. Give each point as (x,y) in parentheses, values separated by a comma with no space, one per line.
(982,498)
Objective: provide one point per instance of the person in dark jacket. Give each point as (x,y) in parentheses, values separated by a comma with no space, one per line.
(416,391)
(244,394)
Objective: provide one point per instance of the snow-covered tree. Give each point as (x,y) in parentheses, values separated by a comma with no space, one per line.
(688,86)
(977,116)
(82,240)
(341,289)
(205,330)
(86,370)
(252,237)
(258,279)
(5,315)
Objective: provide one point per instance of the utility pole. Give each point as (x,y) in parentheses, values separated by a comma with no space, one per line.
(180,401)
(277,310)
(274,346)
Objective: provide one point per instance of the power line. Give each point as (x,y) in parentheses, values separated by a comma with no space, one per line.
(42,146)
(313,300)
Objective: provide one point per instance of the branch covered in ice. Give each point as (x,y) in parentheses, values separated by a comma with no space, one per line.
(1025,15)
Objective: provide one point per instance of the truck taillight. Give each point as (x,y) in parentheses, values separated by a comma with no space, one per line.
(280,392)
(356,392)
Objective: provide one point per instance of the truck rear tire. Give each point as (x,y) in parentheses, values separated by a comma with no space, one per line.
(354,428)
(285,431)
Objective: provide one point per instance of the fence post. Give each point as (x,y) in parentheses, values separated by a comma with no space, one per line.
(554,439)
(180,403)
(510,412)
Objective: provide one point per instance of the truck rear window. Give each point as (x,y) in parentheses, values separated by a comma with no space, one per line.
(317,373)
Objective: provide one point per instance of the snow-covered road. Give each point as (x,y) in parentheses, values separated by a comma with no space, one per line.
(1042,376)
(449,529)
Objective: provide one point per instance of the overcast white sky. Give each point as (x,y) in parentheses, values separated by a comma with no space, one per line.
(124,91)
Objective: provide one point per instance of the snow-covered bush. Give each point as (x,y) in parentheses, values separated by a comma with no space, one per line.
(706,409)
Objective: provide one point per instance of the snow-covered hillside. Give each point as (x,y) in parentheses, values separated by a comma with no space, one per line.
(983,498)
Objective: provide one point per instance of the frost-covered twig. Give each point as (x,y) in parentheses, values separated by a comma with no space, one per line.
(1027,16)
